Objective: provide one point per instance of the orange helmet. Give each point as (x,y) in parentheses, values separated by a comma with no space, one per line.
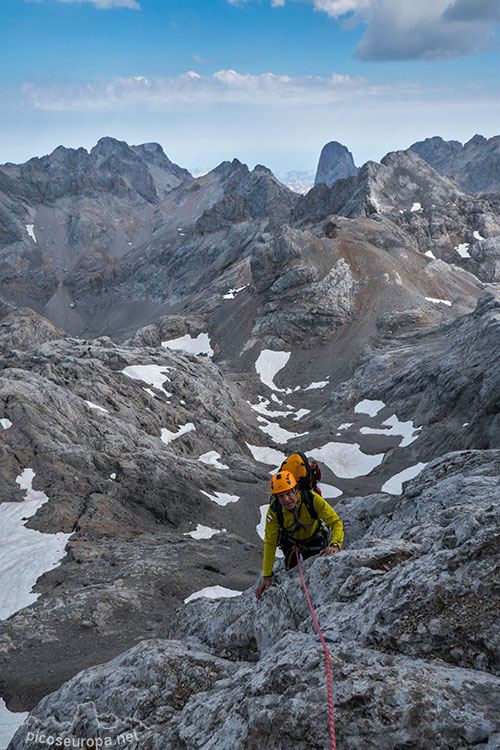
(282,482)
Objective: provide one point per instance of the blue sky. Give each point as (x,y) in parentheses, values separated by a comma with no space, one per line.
(267,81)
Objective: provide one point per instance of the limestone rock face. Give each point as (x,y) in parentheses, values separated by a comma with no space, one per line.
(118,456)
(165,342)
(335,163)
(453,371)
(475,165)
(110,241)
(298,301)
(399,610)
(24,329)
(434,215)
(73,214)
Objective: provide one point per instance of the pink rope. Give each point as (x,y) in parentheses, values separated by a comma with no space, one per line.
(327,658)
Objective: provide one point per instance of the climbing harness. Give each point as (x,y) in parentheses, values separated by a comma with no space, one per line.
(327,657)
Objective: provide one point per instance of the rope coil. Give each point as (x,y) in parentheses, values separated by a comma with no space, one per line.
(327,657)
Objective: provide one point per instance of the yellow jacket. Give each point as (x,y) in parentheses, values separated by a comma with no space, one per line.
(299,526)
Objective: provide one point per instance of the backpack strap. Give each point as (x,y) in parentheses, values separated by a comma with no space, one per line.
(277,510)
(307,497)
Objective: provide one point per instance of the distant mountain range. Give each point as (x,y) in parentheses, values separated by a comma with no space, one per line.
(474,166)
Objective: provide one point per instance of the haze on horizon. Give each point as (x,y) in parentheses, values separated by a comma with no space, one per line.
(267,82)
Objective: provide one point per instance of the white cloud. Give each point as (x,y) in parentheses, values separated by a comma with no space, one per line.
(337,8)
(415,29)
(405,30)
(108,4)
(194,90)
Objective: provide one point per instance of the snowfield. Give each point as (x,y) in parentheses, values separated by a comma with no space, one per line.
(25,554)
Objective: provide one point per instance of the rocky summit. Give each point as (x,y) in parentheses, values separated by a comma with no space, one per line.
(335,163)
(166,341)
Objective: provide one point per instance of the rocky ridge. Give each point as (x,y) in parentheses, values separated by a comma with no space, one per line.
(399,612)
(474,165)
(358,323)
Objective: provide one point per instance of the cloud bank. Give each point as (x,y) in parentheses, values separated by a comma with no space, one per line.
(192,90)
(415,29)
(427,30)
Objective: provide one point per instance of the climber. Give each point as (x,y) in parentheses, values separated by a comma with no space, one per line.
(293,519)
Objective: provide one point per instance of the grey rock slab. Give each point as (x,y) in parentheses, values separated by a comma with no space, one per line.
(474,165)
(335,162)
(128,498)
(165,692)
(457,360)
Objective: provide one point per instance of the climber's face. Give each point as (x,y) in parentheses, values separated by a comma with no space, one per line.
(288,499)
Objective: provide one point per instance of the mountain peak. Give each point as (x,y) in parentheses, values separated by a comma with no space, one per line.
(109,146)
(474,166)
(62,152)
(477,140)
(335,162)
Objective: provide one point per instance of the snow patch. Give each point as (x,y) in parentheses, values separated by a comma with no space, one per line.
(268,364)
(203,532)
(261,408)
(463,250)
(318,384)
(212,592)
(6,423)
(345,425)
(221,498)
(266,455)
(347,460)
(112,476)
(405,429)
(394,485)
(430,254)
(277,433)
(154,375)
(9,723)
(416,207)
(212,458)
(368,406)
(31,231)
(191,345)
(477,236)
(328,490)
(167,436)
(439,301)
(25,554)
(261,526)
(301,413)
(231,294)
(95,406)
